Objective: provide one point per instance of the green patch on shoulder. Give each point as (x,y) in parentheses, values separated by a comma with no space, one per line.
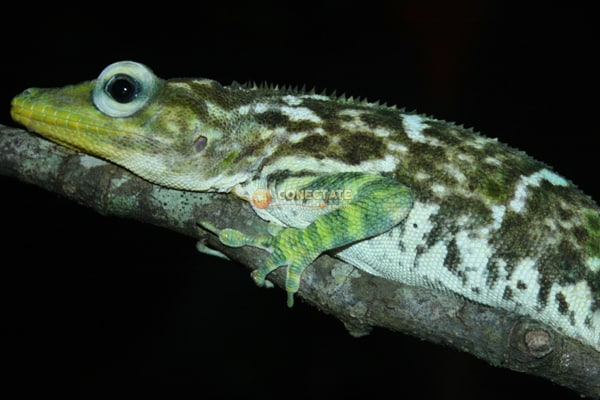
(592,220)
(492,182)
(229,159)
(495,190)
(592,225)
(496,184)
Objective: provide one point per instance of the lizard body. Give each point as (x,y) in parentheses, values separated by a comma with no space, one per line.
(396,194)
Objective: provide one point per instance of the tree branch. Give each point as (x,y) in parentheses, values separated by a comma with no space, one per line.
(359,300)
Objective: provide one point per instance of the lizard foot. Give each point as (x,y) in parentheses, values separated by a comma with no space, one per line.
(288,246)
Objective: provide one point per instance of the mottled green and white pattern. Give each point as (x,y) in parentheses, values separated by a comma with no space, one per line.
(399,195)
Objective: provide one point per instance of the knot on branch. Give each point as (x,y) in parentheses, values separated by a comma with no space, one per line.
(529,344)
(538,343)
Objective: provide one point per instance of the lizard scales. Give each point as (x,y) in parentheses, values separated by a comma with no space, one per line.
(396,194)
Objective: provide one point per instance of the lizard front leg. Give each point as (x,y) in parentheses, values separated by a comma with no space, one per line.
(376,204)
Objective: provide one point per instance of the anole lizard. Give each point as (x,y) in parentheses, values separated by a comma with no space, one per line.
(396,194)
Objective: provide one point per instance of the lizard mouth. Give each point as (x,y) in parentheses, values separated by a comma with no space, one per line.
(49,125)
(29,113)
(60,126)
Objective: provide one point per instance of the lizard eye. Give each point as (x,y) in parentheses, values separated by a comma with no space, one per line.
(123,88)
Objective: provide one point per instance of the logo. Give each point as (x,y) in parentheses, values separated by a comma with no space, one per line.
(262,198)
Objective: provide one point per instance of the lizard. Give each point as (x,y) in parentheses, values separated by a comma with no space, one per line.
(396,194)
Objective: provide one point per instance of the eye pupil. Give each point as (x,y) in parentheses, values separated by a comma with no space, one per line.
(122,88)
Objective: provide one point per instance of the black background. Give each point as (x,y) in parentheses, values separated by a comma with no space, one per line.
(96,307)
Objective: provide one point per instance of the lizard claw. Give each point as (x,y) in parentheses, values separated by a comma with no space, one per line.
(260,278)
(290,299)
(234,238)
(209,227)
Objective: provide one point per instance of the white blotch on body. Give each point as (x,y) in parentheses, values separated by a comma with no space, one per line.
(593,263)
(534,180)
(475,253)
(243,110)
(292,100)
(439,190)
(300,114)
(260,108)
(527,273)
(498,212)
(455,172)
(397,147)
(421,176)
(492,161)
(414,127)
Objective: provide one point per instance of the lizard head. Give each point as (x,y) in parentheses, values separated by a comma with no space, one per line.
(176,133)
